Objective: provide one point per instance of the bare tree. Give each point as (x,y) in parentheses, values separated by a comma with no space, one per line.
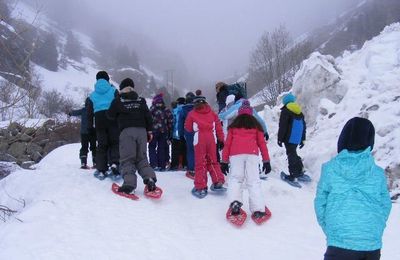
(274,62)
(30,102)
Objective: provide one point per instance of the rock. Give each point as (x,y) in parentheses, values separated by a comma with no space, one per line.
(14,128)
(4,146)
(4,132)
(331,115)
(27,165)
(42,142)
(25,138)
(323,111)
(17,149)
(34,148)
(36,157)
(49,123)
(30,131)
(41,131)
(5,157)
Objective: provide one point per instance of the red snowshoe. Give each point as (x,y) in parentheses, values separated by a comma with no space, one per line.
(261,217)
(238,219)
(190,174)
(131,196)
(156,194)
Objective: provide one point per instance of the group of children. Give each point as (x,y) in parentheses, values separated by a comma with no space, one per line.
(351,187)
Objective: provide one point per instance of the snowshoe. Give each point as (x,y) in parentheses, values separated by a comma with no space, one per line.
(115,188)
(155,193)
(235,214)
(263,176)
(190,174)
(286,179)
(304,178)
(260,217)
(218,187)
(100,175)
(199,193)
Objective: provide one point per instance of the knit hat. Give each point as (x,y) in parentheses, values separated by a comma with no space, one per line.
(189,97)
(245,108)
(288,98)
(158,99)
(357,134)
(198,92)
(181,101)
(128,82)
(199,100)
(102,75)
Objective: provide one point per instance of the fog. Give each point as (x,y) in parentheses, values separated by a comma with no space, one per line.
(213,38)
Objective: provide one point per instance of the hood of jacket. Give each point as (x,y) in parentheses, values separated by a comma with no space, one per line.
(102,86)
(204,109)
(354,166)
(294,107)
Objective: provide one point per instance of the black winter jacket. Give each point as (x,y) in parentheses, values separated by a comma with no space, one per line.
(285,124)
(130,110)
(101,121)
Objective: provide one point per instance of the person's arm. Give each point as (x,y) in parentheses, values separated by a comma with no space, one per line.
(262,145)
(218,129)
(321,198)
(231,112)
(90,113)
(148,118)
(385,197)
(189,123)
(283,125)
(76,112)
(112,112)
(261,121)
(303,138)
(227,147)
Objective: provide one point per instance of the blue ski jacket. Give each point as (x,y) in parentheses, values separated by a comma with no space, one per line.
(352,203)
(102,96)
(176,112)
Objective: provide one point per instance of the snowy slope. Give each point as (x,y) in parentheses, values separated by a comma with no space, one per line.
(68,214)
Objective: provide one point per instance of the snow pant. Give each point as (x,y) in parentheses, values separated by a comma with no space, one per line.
(178,156)
(107,146)
(157,150)
(294,161)
(88,141)
(206,160)
(244,168)
(336,253)
(133,156)
(189,150)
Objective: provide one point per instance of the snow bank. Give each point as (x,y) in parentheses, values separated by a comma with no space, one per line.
(364,83)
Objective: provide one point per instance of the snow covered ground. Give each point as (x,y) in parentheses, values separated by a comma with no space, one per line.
(69,214)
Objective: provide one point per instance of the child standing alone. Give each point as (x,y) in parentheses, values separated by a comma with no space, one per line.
(244,141)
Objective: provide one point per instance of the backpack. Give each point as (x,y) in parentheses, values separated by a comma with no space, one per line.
(238,88)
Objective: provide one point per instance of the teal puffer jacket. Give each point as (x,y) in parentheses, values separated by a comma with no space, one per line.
(352,202)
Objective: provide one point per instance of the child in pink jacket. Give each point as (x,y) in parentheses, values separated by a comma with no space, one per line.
(244,141)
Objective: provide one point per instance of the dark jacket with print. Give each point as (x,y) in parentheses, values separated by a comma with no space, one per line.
(292,127)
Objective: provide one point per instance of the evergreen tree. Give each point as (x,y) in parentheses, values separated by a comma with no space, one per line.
(46,53)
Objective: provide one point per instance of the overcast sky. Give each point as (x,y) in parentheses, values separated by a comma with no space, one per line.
(215,37)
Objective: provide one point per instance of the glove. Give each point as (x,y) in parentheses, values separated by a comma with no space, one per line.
(266,167)
(280,143)
(149,137)
(220,145)
(224,168)
(301,144)
(266,136)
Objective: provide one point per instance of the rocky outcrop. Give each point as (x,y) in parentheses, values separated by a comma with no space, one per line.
(27,146)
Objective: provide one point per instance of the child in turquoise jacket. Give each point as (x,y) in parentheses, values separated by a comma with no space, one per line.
(352,202)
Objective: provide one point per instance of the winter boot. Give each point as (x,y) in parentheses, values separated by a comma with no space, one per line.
(84,166)
(235,207)
(151,185)
(200,193)
(258,214)
(114,169)
(84,163)
(126,189)
(218,187)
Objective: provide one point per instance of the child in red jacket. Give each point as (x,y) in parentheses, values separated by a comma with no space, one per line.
(244,141)
(206,126)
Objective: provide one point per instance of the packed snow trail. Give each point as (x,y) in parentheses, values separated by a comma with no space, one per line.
(69,214)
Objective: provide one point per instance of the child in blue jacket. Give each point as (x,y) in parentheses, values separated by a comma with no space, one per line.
(352,202)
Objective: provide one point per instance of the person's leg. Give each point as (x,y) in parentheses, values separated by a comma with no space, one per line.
(161,151)
(189,151)
(84,148)
(113,132)
(175,154)
(294,161)
(253,182)
(373,255)
(142,163)
(236,178)
(152,151)
(200,152)
(92,143)
(336,253)
(127,151)
(214,167)
(102,151)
